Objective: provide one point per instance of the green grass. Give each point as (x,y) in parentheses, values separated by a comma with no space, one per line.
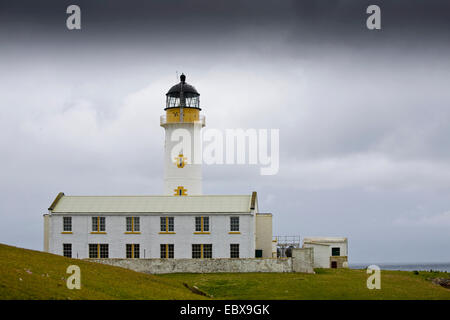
(325,284)
(27,274)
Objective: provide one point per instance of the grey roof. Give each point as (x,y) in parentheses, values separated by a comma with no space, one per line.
(324,240)
(152,204)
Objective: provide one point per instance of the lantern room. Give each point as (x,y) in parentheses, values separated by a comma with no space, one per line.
(182,95)
(182,104)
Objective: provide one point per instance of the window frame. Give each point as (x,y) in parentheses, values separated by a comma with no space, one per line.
(167,250)
(202,251)
(205,224)
(132,250)
(235,227)
(65,249)
(167,225)
(101,250)
(207,250)
(234,250)
(196,251)
(132,224)
(93,248)
(67,222)
(202,225)
(198,224)
(98,224)
(333,250)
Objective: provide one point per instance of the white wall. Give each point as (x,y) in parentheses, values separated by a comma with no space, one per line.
(150,239)
(322,253)
(264,234)
(190,176)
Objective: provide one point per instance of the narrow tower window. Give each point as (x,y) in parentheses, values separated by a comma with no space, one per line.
(180,191)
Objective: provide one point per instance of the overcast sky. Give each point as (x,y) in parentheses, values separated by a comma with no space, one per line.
(363,115)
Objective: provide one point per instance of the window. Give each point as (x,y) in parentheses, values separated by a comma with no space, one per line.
(132,250)
(335,251)
(133,224)
(200,251)
(98,250)
(180,191)
(98,224)
(234,250)
(136,224)
(67,224)
(167,224)
(234,224)
(201,224)
(167,251)
(196,251)
(207,251)
(93,250)
(198,224)
(205,223)
(67,250)
(104,250)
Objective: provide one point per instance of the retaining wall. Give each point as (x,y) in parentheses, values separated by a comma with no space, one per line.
(301,261)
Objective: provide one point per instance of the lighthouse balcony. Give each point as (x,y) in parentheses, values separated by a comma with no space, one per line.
(163,120)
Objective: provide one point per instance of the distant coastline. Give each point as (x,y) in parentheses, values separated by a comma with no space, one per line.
(445,267)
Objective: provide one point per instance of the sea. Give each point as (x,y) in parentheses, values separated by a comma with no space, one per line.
(445,267)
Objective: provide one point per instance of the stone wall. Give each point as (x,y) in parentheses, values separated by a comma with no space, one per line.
(301,261)
(341,262)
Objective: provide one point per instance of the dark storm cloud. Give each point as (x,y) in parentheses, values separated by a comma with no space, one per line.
(194,21)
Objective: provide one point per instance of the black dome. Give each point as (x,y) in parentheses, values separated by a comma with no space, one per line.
(182,95)
(188,90)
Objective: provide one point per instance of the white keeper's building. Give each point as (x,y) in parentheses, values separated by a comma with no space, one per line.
(181,223)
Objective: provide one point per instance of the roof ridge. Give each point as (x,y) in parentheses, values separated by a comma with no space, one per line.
(168,196)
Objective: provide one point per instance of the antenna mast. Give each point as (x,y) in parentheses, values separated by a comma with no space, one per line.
(182,100)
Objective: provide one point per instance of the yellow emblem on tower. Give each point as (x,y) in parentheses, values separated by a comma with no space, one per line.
(180,160)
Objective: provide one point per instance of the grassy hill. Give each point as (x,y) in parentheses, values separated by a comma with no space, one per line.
(325,284)
(27,274)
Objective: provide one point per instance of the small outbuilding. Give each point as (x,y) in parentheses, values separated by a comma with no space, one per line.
(329,252)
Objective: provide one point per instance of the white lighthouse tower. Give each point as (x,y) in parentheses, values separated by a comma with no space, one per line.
(182,148)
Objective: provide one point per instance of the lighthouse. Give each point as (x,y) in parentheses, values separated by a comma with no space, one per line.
(180,224)
(182,122)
